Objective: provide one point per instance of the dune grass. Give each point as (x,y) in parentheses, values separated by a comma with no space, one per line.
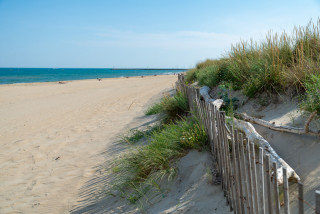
(156,108)
(171,107)
(311,99)
(280,63)
(143,168)
(135,135)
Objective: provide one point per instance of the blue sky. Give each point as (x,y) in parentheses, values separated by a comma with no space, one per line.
(137,33)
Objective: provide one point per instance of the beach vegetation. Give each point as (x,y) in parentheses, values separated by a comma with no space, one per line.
(156,108)
(135,135)
(143,168)
(170,107)
(281,63)
(311,99)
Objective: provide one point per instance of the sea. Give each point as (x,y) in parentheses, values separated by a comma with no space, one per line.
(30,75)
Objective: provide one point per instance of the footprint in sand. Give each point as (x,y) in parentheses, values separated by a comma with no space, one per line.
(30,187)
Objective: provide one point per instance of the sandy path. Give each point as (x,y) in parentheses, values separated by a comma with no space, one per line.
(52,135)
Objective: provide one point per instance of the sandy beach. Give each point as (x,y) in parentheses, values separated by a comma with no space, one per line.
(53,135)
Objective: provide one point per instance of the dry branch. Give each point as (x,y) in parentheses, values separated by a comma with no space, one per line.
(257,139)
(275,127)
(254,137)
(204,93)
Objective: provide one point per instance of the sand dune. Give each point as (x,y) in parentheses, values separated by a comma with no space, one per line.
(53,135)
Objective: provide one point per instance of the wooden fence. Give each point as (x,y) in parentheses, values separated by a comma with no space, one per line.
(248,177)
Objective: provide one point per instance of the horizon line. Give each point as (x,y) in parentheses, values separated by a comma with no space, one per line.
(113,68)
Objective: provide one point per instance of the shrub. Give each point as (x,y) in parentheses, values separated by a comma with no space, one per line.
(208,76)
(311,100)
(191,75)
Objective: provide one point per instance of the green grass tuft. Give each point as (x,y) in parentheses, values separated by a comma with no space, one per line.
(133,136)
(142,168)
(154,109)
(311,101)
(171,107)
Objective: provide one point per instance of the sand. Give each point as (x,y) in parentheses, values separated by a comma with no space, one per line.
(52,136)
(192,191)
(58,142)
(301,152)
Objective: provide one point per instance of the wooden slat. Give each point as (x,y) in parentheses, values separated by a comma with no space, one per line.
(262,192)
(249,176)
(223,162)
(219,155)
(228,164)
(300,198)
(286,192)
(317,193)
(254,178)
(238,142)
(276,188)
(235,175)
(268,182)
(244,175)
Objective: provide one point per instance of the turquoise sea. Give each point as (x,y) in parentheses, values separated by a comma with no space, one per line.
(28,75)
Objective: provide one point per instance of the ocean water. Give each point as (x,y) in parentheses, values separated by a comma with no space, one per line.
(28,75)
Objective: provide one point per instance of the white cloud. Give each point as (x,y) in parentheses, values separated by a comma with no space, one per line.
(174,40)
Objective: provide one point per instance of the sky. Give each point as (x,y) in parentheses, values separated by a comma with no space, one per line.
(137,33)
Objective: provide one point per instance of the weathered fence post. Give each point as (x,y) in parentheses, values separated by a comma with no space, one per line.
(268,176)
(301,205)
(238,152)
(286,192)
(254,178)
(244,177)
(235,174)
(262,193)
(249,176)
(317,193)
(228,163)
(276,188)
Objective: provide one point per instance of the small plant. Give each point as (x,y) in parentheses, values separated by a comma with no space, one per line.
(133,136)
(171,107)
(229,103)
(174,107)
(311,101)
(195,137)
(154,109)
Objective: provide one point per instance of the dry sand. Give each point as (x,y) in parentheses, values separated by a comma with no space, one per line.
(58,140)
(53,135)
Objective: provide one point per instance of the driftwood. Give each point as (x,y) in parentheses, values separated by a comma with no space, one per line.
(204,93)
(254,137)
(278,127)
(257,139)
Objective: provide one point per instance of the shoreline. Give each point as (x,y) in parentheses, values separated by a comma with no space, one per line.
(53,136)
(79,80)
